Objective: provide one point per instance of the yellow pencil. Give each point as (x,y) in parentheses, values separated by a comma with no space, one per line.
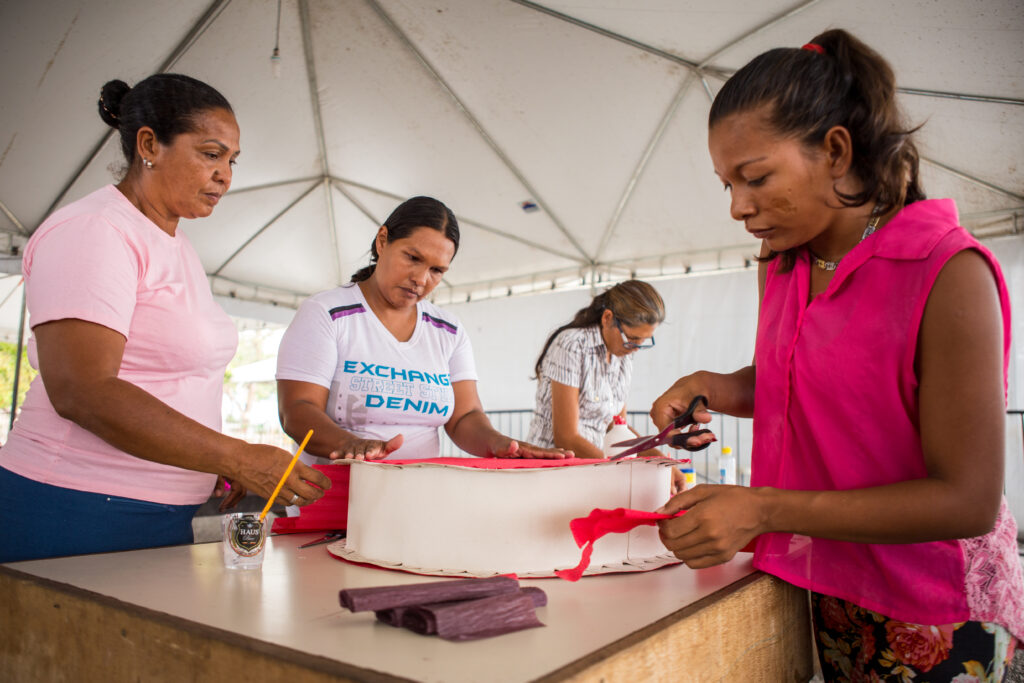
(291,466)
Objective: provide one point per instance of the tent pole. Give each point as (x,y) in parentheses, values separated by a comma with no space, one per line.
(208,17)
(13,219)
(265,226)
(535,195)
(690,64)
(973,179)
(463,220)
(652,144)
(278,183)
(17,358)
(318,127)
(967,97)
(760,28)
(340,187)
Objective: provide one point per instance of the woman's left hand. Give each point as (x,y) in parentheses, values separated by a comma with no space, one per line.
(510,448)
(231,491)
(719,521)
(678,481)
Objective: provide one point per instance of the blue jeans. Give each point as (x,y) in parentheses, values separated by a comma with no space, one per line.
(39,520)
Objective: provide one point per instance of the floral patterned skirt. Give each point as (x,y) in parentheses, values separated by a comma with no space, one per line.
(856,644)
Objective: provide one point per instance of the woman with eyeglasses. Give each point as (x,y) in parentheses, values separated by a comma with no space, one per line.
(584,370)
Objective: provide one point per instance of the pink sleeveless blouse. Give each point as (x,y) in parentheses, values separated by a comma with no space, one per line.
(836,407)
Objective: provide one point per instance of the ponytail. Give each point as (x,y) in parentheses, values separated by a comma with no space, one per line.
(410,215)
(585,317)
(835,80)
(632,302)
(365,272)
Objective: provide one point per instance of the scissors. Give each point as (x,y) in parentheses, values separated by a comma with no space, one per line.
(329,538)
(643,443)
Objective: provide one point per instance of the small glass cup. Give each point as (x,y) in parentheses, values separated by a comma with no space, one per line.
(244,540)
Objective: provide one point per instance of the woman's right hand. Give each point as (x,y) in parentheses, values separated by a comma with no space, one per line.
(677,400)
(732,394)
(367,449)
(260,467)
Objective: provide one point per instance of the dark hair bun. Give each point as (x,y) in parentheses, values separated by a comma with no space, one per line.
(109,103)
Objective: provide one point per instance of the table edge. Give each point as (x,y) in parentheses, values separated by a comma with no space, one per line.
(299,658)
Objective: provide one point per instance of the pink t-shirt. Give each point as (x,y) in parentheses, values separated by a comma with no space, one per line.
(102,261)
(836,407)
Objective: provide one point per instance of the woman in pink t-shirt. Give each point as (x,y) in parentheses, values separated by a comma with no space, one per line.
(878,383)
(118,441)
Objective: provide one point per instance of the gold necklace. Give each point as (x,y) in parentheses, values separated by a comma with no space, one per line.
(832,265)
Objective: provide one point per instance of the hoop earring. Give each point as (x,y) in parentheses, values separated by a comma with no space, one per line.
(148,164)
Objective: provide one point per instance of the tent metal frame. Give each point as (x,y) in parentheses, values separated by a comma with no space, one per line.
(265,226)
(724,73)
(198,29)
(695,71)
(463,220)
(318,124)
(14,220)
(534,193)
(592,265)
(703,69)
(973,179)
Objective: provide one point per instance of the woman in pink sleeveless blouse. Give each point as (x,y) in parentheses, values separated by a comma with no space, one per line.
(878,385)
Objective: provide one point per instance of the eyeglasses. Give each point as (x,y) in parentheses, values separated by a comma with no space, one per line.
(631,344)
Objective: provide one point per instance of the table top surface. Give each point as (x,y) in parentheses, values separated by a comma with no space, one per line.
(292,603)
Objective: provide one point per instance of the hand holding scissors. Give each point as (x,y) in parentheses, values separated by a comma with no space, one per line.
(665,436)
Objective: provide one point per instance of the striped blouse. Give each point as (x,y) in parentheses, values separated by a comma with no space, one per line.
(577,358)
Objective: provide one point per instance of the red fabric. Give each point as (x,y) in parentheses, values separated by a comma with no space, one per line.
(586,530)
(495,463)
(330,513)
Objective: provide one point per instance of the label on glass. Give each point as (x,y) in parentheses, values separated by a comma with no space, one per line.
(246,535)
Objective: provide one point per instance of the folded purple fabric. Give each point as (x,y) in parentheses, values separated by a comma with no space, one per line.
(539,597)
(475,619)
(387,597)
(391,616)
(395,615)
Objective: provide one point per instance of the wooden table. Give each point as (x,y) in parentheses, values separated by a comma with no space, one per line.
(175,614)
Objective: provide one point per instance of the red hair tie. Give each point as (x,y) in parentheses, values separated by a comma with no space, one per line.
(814,47)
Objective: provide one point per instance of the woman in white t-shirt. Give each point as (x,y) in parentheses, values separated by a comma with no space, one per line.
(374,369)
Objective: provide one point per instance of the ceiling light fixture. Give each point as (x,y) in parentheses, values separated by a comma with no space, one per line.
(275,56)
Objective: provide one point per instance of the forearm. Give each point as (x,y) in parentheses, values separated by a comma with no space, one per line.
(579,445)
(475,434)
(732,394)
(915,511)
(301,416)
(136,422)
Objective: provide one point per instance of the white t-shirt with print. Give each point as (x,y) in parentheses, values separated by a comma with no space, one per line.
(378,386)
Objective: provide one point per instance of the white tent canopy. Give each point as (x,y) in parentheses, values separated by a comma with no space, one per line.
(595,113)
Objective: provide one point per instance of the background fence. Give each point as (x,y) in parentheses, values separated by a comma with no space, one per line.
(731,431)
(736,433)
